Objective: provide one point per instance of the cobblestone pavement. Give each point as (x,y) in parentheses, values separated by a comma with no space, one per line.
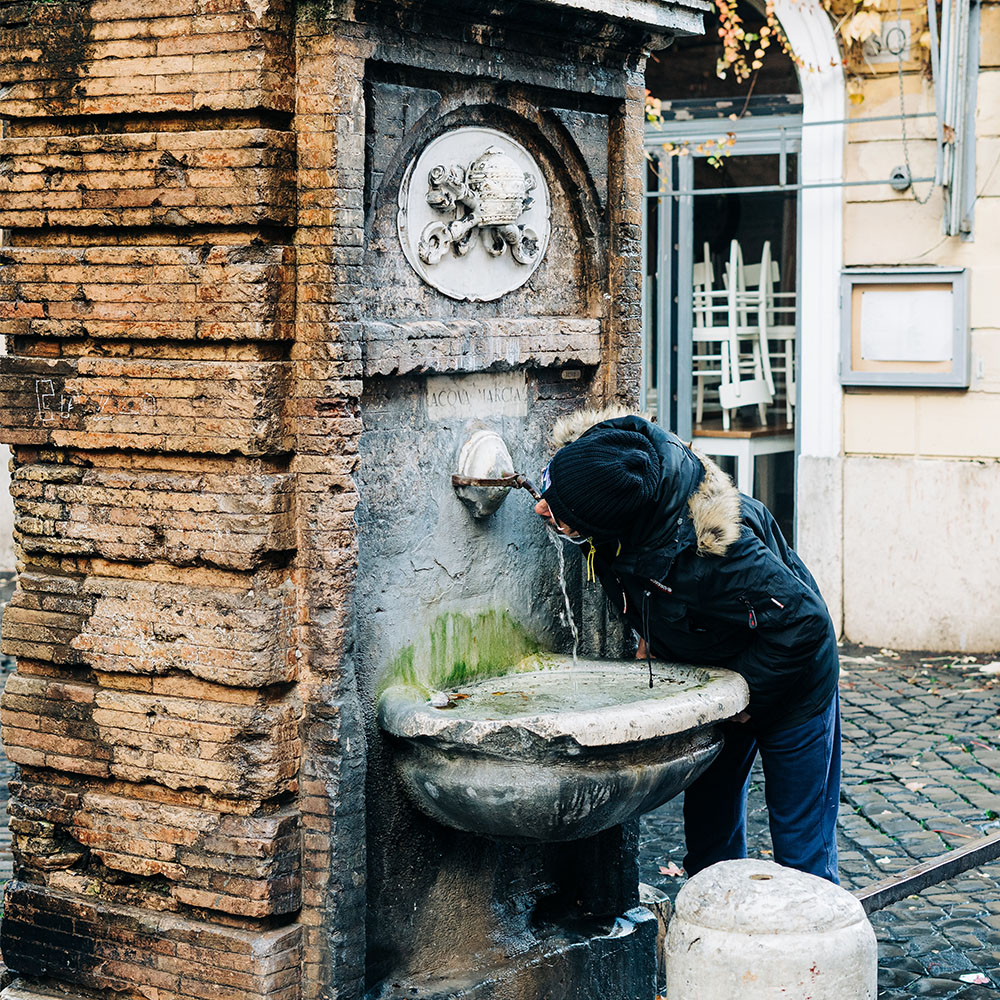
(921,775)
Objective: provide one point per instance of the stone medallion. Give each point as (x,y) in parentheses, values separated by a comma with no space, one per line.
(474,214)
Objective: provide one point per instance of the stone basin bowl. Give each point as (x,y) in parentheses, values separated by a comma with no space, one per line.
(562,752)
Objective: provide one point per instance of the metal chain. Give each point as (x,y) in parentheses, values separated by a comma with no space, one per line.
(902,114)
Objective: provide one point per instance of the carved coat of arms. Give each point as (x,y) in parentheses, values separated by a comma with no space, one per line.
(485,199)
(474,214)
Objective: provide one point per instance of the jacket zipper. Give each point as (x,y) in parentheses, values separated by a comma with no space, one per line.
(751,616)
(645,630)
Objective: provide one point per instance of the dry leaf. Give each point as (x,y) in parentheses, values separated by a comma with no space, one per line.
(671,869)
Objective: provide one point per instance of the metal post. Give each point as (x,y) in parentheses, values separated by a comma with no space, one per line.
(928,873)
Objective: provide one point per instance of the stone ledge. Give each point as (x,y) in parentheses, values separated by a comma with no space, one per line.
(653,14)
(471,345)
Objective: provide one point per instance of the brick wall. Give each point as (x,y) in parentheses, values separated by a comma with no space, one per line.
(147,293)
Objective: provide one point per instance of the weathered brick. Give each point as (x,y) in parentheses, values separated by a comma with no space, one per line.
(123,948)
(209,293)
(244,865)
(144,403)
(56,62)
(232,750)
(149,178)
(234,521)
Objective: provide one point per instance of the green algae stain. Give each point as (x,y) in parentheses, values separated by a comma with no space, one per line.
(459,649)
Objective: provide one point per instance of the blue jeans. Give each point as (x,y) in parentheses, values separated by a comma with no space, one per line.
(801,788)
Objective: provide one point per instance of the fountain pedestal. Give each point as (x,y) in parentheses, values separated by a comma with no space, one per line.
(542,766)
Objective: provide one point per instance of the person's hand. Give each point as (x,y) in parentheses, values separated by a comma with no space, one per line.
(640,653)
(739,717)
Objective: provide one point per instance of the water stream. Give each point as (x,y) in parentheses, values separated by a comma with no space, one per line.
(555,539)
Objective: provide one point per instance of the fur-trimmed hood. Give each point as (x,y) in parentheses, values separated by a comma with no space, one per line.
(714,505)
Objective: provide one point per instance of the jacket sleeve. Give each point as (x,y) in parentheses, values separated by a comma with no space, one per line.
(790,626)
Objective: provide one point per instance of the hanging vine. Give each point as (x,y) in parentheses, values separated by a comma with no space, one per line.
(744,53)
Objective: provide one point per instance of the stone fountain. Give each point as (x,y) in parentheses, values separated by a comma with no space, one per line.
(557,750)
(503,777)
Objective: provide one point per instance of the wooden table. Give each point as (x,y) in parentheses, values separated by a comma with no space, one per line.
(744,444)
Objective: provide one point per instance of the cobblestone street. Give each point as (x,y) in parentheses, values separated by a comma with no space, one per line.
(921,775)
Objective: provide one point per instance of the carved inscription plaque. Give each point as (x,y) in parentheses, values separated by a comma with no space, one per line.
(504,394)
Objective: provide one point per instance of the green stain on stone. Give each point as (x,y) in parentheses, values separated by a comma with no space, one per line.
(459,649)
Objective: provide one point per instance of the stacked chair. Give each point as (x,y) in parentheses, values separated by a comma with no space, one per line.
(743,351)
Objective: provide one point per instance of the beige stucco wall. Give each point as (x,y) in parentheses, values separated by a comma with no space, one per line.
(921,470)
(920,553)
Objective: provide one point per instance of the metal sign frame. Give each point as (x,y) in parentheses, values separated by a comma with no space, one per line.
(903,372)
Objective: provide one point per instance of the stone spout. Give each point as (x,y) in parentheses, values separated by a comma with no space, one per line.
(486,474)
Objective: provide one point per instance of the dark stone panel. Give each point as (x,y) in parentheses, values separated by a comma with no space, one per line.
(393,110)
(518,42)
(590,131)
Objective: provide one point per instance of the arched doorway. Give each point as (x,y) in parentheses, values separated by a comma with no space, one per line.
(779,184)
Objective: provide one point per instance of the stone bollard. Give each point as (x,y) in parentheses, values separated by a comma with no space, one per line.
(754,929)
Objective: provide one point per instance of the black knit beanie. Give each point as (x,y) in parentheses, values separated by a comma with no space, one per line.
(599,482)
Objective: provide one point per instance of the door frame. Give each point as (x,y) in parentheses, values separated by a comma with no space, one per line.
(819,501)
(769,135)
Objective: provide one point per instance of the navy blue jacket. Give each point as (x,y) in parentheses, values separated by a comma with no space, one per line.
(706,577)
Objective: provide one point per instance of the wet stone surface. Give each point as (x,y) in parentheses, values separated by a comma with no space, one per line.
(921,775)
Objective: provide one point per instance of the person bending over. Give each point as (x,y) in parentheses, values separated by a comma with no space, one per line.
(703,575)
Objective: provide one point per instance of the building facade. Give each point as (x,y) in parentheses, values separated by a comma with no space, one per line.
(897,485)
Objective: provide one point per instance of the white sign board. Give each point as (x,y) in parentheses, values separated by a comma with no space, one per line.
(905,327)
(503,394)
(912,326)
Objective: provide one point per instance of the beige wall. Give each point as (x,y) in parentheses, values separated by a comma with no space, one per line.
(920,553)
(921,476)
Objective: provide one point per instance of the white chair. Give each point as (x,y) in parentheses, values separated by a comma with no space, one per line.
(712,342)
(777,321)
(743,307)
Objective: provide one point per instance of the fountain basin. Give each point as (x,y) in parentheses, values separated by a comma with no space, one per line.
(561,752)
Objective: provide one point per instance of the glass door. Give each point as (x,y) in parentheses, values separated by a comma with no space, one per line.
(720,329)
